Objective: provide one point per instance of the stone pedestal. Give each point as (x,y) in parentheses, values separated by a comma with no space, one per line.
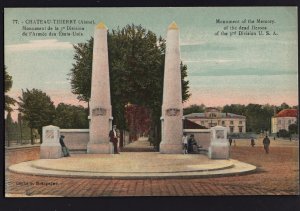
(51,148)
(100,103)
(219,145)
(172,96)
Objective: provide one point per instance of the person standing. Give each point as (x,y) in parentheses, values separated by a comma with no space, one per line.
(230,141)
(266,143)
(114,139)
(191,143)
(185,143)
(64,149)
(252,142)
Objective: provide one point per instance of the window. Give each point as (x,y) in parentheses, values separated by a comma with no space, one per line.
(240,129)
(202,122)
(231,129)
(279,121)
(290,121)
(240,122)
(212,115)
(231,122)
(223,122)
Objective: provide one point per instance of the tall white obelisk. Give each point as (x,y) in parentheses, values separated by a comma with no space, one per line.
(100,103)
(172,96)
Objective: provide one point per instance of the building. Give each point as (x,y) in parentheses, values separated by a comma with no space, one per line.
(213,117)
(283,119)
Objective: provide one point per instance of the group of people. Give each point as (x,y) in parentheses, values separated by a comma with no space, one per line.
(189,144)
(266,143)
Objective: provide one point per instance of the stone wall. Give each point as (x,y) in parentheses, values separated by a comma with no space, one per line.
(76,139)
(20,154)
(202,136)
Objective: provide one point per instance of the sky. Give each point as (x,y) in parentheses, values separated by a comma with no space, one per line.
(221,69)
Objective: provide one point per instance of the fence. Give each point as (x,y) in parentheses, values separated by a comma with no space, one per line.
(15,138)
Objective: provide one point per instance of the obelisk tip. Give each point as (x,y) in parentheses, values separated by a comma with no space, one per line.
(101,25)
(173,25)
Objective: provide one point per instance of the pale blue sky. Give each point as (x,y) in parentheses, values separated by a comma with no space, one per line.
(221,69)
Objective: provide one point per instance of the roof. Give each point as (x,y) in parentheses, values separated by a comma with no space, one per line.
(199,115)
(223,115)
(192,125)
(288,113)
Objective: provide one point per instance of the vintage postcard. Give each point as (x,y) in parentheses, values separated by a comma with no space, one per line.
(161,101)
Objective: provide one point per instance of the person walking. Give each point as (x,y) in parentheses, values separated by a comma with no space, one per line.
(64,149)
(266,143)
(114,138)
(185,143)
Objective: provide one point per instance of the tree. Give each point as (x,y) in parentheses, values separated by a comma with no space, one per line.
(7,86)
(194,109)
(8,128)
(70,116)
(81,73)
(293,128)
(282,107)
(235,109)
(136,65)
(258,117)
(283,133)
(138,120)
(184,83)
(36,108)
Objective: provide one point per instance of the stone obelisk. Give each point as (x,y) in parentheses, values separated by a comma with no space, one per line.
(100,102)
(172,96)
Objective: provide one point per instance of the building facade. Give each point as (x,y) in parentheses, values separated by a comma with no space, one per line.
(213,117)
(284,119)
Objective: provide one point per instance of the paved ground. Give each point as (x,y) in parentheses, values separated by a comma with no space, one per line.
(278,174)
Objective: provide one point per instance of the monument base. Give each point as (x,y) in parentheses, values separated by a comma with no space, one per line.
(170,148)
(100,148)
(218,151)
(50,152)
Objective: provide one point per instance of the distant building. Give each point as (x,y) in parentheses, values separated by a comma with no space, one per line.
(213,117)
(284,119)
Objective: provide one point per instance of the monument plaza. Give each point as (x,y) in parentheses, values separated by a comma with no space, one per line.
(99,172)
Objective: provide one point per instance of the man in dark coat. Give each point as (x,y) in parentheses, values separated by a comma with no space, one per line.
(191,143)
(252,142)
(266,143)
(114,139)
(65,150)
(230,141)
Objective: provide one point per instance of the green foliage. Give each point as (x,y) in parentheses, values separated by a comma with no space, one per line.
(282,107)
(7,86)
(234,108)
(136,65)
(16,131)
(283,133)
(258,117)
(36,108)
(184,83)
(71,117)
(194,109)
(293,128)
(81,74)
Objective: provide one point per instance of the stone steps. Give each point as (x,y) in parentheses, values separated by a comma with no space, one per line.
(134,166)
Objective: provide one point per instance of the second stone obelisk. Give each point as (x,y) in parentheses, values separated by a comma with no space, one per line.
(171,119)
(100,102)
